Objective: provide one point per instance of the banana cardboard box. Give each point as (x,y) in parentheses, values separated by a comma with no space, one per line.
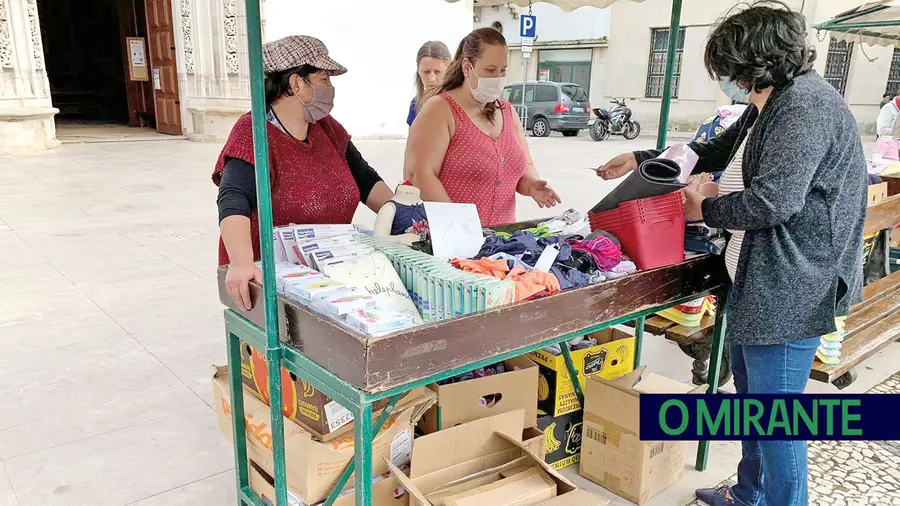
(562,438)
(301,402)
(612,357)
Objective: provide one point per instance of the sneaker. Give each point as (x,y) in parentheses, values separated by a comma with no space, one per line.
(719,496)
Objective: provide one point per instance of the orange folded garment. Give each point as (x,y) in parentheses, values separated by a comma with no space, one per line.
(529,283)
(495,268)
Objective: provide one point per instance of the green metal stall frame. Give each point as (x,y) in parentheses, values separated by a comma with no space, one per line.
(855,23)
(358,402)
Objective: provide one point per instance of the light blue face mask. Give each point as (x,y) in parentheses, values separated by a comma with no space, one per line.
(733,91)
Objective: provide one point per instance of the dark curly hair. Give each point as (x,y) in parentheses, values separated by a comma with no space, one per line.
(278,84)
(759,46)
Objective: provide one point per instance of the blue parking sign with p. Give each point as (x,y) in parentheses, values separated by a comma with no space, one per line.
(527,26)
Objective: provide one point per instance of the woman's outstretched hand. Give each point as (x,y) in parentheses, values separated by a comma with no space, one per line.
(543,194)
(618,166)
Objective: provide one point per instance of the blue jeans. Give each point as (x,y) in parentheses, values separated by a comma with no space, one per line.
(772,473)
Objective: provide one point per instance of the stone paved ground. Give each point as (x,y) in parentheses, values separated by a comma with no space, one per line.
(853,473)
(109,321)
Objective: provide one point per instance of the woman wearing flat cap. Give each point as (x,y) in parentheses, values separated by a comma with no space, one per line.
(317,174)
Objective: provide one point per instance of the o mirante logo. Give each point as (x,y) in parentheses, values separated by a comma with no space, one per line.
(692,417)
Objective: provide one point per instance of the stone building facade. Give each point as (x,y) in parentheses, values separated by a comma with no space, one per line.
(211,71)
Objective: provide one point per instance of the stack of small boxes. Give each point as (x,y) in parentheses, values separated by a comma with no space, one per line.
(441,291)
(303,251)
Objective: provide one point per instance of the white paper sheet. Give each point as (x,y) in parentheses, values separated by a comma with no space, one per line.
(455,229)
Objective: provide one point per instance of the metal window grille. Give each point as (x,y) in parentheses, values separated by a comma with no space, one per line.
(893,82)
(837,65)
(656,70)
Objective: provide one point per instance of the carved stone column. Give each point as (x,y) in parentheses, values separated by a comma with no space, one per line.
(26,113)
(213,74)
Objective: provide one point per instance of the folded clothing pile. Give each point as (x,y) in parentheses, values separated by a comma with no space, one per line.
(573,345)
(701,238)
(481,372)
(527,248)
(690,314)
(829,351)
(528,282)
(570,222)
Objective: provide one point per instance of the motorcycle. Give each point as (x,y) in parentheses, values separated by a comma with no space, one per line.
(615,121)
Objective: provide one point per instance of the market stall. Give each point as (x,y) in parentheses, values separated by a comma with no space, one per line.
(874,323)
(874,23)
(362,374)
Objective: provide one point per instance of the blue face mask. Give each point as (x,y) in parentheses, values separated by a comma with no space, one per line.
(733,91)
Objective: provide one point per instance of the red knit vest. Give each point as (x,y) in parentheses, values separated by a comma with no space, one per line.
(311,181)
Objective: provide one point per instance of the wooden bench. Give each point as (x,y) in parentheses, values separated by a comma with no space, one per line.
(871,326)
(874,323)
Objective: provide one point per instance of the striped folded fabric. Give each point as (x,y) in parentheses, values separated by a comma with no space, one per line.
(829,351)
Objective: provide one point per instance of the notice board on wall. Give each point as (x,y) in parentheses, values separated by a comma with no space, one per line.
(137,59)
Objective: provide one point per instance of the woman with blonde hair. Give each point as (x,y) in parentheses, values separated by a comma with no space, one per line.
(467,145)
(431,62)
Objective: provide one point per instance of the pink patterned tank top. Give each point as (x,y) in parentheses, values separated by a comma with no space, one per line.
(481,170)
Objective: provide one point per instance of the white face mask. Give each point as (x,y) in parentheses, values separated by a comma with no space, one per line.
(489,89)
(733,91)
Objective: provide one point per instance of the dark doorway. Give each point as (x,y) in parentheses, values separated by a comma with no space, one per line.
(84,54)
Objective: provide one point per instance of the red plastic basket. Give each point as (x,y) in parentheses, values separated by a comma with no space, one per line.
(651,230)
(661,202)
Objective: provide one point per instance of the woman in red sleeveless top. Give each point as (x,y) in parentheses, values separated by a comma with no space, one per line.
(317,175)
(467,145)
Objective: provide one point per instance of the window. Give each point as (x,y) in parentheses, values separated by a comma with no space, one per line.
(837,64)
(893,83)
(513,94)
(546,94)
(574,93)
(656,71)
(578,72)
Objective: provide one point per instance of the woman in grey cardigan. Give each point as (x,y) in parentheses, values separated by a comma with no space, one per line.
(793,197)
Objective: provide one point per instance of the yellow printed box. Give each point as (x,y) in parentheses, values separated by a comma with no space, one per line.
(562,438)
(612,357)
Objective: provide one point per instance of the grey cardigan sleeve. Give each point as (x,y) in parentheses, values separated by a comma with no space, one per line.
(713,155)
(789,157)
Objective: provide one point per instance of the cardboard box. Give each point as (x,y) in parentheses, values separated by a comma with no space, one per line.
(482,462)
(533,441)
(612,454)
(612,357)
(314,467)
(303,403)
(386,492)
(477,398)
(561,438)
(878,192)
(521,488)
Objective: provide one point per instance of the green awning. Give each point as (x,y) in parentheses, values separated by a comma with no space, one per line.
(874,23)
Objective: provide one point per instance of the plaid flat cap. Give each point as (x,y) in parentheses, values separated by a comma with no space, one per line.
(298,50)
